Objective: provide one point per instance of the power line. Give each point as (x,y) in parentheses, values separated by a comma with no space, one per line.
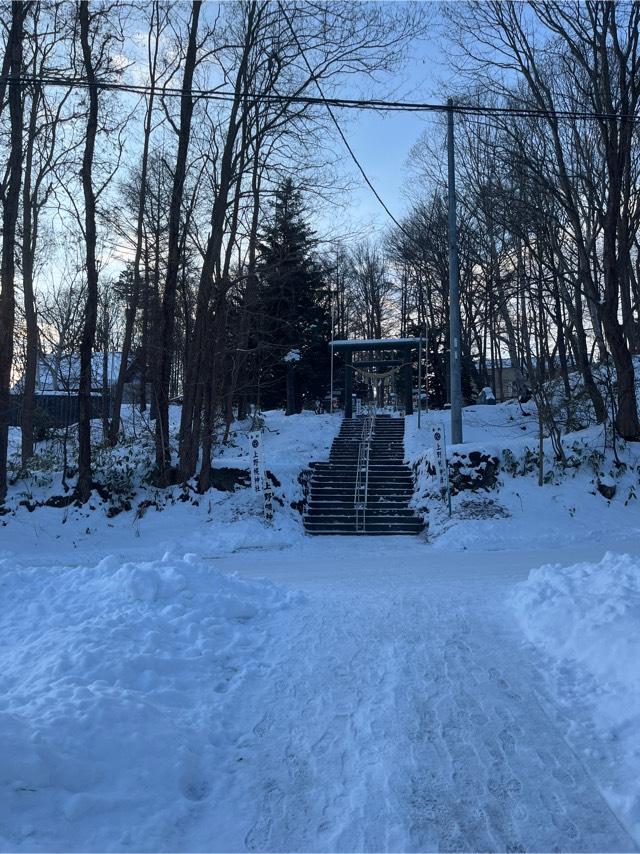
(339,129)
(376,104)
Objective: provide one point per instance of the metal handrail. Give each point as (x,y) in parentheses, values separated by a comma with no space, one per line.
(362,490)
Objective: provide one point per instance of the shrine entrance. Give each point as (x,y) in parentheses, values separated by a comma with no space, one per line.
(384,364)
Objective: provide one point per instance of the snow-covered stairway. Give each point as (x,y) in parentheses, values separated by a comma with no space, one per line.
(332,507)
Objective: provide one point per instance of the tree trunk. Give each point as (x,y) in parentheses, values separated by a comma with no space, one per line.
(104,407)
(132,305)
(10,208)
(291,388)
(28,253)
(163,449)
(194,374)
(627,411)
(562,346)
(85,476)
(215,367)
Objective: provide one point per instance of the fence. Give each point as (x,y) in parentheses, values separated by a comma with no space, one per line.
(57,409)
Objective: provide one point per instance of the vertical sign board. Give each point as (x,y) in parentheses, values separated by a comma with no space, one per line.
(268,502)
(257,462)
(442,468)
(259,481)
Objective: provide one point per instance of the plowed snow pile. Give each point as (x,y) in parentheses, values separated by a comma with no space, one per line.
(111,682)
(586,617)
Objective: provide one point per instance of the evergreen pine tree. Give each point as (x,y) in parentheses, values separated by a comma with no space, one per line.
(294,305)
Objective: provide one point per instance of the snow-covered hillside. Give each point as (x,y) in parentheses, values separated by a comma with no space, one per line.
(514,513)
(154,519)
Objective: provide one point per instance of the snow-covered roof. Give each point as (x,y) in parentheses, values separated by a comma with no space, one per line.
(66,375)
(489,363)
(375,343)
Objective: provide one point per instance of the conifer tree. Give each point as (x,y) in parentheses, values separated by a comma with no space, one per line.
(294,305)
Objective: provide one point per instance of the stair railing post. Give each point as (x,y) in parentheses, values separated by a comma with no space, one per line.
(348,383)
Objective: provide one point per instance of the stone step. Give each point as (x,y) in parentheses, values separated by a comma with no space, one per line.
(343,477)
(380,440)
(377,431)
(374,446)
(379,470)
(380,466)
(353,455)
(370,520)
(378,453)
(393,435)
(349,475)
(329,504)
(351,469)
(373,529)
(391,427)
(392,461)
(376,514)
(376,440)
(348,497)
(382,470)
(375,490)
(379,487)
(347,500)
(375,467)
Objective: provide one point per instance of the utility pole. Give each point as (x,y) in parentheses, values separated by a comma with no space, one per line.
(454,293)
(419,379)
(331,349)
(426,365)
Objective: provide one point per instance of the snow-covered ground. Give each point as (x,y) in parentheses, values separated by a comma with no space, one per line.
(193,679)
(521,514)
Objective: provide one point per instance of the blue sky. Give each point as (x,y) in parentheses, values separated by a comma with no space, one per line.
(382,142)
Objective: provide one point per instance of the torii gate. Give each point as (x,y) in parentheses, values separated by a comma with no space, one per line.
(400,348)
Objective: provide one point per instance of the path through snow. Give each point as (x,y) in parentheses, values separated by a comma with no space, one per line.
(402,712)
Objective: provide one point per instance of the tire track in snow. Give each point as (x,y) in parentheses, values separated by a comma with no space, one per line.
(494,791)
(396,722)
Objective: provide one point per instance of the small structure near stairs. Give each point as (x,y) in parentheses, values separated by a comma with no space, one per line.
(365,487)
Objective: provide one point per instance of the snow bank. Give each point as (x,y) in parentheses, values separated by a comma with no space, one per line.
(589,613)
(114,679)
(586,618)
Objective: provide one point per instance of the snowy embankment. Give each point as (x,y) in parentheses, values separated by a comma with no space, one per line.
(142,519)
(117,697)
(586,619)
(514,512)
